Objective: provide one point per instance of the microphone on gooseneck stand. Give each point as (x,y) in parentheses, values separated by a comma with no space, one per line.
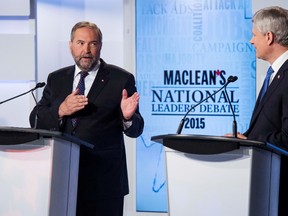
(234,125)
(38,85)
(229,80)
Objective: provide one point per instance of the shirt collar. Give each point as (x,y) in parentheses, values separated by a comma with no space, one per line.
(279,61)
(92,72)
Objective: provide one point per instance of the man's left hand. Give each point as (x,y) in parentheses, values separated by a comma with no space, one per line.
(129,104)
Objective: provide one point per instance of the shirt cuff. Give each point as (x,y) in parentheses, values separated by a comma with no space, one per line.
(127,124)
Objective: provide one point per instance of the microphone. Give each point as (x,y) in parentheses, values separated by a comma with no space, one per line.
(234,125)
(181,124)
(38,85)
(232,79)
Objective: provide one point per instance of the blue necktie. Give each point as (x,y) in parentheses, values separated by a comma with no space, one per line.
(266,82)
(81,87)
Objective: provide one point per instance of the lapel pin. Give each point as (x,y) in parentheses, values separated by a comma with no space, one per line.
(278,76)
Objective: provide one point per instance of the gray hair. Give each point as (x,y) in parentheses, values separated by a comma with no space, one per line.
(273,19)
(86,24)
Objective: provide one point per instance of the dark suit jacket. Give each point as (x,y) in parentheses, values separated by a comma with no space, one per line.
(102,171)
(269,122)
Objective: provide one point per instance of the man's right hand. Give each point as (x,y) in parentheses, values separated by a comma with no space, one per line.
(239,135)
(72,103)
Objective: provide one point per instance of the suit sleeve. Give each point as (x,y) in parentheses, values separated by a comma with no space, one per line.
(137,126)
(47,110)
(278,136)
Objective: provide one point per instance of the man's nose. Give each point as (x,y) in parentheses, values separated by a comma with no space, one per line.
(87,48)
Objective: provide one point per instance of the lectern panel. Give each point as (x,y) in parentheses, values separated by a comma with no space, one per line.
(39,177)
(25,174)
(237,183)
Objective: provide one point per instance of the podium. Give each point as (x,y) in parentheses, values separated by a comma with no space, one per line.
(38,172)
(220,176)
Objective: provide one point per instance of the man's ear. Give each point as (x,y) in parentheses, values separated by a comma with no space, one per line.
(270,37)
(70,45)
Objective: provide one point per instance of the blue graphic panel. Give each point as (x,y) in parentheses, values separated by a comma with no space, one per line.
(185,51)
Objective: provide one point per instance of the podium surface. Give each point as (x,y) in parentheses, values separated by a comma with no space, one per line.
(220,176)
(203,144)
(38,172)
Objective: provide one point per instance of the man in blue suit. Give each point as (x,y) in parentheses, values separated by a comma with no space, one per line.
(99,111)
(269,122)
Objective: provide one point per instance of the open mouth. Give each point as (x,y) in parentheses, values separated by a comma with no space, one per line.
(86,57)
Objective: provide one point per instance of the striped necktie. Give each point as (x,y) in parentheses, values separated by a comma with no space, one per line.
(81,87)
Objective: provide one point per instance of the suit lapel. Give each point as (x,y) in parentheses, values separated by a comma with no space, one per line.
(100,81)
(68,77)
(271,89)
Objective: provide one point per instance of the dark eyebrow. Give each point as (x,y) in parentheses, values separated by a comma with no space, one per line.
(95,41)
